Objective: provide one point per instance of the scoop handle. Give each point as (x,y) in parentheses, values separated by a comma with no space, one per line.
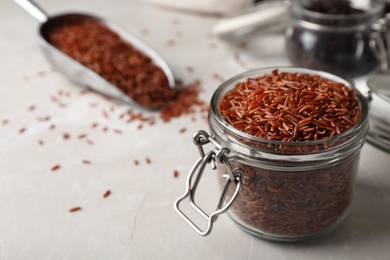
(32,8)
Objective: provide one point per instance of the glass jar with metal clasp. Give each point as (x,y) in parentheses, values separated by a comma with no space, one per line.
(333,35)
(284,191)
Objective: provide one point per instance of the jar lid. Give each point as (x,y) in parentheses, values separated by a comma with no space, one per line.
(379,87)
(379,133)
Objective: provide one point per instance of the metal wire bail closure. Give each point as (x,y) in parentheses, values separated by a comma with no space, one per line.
(219,154)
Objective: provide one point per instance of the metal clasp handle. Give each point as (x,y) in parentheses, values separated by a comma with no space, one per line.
(212,157)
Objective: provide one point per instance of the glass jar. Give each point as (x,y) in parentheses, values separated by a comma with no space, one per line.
(333,35)
(285,191)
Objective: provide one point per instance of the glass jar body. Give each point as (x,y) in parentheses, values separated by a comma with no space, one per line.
(292,204)
(336,43)
(290,191)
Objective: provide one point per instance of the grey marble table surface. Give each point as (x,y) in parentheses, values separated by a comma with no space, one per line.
(46,121)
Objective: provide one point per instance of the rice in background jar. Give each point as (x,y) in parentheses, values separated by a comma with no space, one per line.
(333,35)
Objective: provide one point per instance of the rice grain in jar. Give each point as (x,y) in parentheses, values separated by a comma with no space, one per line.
(287,145)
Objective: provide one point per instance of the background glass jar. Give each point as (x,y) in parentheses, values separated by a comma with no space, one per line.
(287,191)
(333,35)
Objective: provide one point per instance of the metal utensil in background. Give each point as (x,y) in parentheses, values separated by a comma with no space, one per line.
(74,70)
(380,44)
(264,17)
(379,85)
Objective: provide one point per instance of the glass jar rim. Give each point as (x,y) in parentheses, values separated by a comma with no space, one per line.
(297,8)
(363,104)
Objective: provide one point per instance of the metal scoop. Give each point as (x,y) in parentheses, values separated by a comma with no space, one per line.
(74,70)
